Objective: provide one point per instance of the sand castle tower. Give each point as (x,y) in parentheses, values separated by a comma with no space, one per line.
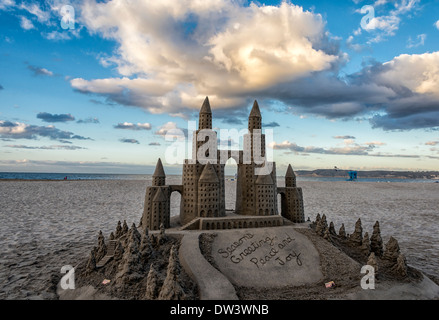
(265,196)
(209,200)
(292,198)
(248,191)
(157,201)
(198,192)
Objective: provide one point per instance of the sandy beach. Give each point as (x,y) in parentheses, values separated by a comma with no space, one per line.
(49,224)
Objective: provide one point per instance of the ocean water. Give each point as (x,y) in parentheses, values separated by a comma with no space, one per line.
(105,176)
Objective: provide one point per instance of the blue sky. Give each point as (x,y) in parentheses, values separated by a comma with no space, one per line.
(337,85)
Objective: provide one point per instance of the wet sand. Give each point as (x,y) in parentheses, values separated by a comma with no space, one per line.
(48,224)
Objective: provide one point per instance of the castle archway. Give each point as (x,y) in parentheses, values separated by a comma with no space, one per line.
(175,203)
(281,203)
(231,183)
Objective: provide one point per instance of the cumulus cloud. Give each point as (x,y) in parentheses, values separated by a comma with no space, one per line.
(38,71)
(18,130)
(132,126)
(48,117)
(436,24)
(228,54)
(400,94)
(432,143)
(170,55)
(134,141)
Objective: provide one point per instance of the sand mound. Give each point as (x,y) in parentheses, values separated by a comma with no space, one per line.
(142,267)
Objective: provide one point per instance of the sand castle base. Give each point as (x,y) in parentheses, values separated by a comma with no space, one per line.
(282,262)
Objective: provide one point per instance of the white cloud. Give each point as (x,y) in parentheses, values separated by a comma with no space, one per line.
(132,126)
(382,25)
(436,24)
(38,71)
(170,130)
(420,41)
(388,24)
(375,143)
(380,3)
(26,24)
(419,73)
(232,51)
(56,35)
(35,10)
(4,4)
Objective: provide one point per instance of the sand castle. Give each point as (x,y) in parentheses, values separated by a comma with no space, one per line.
(203,188)
(251,253)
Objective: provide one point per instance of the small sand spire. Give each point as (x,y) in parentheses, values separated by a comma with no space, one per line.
(332,229)
(102,248)
(392,250)
(342,231)
(171,289)
(376,242)
(365,244)
(371,261)
(124,227)
(356,238)
(152,286)
(118,229)
(91,263)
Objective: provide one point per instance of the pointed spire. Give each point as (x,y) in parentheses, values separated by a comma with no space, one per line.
(205,116)
(159,171)
(159,196)
(264,179)
(205,108)
(209,174)
(290,172)
(290,178)
(255,112)
(159,176)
